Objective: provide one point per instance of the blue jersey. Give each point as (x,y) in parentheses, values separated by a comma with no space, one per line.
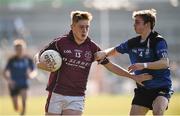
(18,68)
(152,49)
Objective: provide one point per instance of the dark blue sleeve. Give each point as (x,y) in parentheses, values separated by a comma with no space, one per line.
(8,65)
(162,49)
(31,64)
(122,48)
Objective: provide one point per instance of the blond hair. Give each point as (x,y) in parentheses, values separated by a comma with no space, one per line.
(19,42)
(147,15)
(80,15)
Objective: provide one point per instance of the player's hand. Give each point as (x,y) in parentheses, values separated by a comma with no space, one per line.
(136,66)
(46,66)
(100,55)
(11,83)
(31,73)
(142,77)
(145,77)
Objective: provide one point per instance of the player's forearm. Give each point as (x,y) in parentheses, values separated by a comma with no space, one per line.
(6,75)
(160,64)
(118,70)
(110,52)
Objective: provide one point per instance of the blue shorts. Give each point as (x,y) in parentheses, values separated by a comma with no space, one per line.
(16,90)
(145,97)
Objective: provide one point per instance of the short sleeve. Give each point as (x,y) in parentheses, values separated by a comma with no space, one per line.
(50,46)
(31,64)
(122,48)
(8,65)
(162,49)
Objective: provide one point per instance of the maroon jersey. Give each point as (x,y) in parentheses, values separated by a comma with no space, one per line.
(71,78)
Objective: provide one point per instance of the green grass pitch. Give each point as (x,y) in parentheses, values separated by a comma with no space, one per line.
(94,105)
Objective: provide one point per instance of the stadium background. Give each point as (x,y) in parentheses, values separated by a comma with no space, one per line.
(40,21)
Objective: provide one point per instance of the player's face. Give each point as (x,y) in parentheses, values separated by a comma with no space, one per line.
(139,25)
(81,29)
(19,50)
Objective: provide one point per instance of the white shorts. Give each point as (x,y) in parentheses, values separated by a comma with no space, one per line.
(59,102)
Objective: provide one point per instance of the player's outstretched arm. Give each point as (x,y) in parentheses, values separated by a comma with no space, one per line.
(105,53)
(122,72)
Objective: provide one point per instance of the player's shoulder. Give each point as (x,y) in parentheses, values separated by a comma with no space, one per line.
(11,58)
(93,44)
(158,38)
(133,41)
(61,38)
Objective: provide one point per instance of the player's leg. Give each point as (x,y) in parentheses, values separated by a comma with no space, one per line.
(142,102)
(54,104)
(14,96)
(50,114)
(23,93)
(15,102)
(159,105)
(47,105)
(74,105)
(138,110)
(71,112)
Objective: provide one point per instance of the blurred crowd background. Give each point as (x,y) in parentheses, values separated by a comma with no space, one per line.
(40,21)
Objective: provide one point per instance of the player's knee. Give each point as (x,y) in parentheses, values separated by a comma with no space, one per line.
(158,111)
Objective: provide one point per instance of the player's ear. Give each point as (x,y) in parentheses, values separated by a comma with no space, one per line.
(148,24)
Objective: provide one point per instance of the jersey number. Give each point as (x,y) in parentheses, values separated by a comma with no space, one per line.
(141,54)
(78,55)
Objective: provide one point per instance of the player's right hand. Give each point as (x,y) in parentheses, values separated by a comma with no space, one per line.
(145,77)
(46,66)
(100,55)
(142,77)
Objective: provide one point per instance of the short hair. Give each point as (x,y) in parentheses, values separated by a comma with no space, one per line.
(147,16)
(19,42)
(80,15)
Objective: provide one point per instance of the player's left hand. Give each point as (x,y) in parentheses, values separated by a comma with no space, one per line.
(136,66)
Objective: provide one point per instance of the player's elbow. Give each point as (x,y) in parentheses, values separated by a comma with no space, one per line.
(166,63)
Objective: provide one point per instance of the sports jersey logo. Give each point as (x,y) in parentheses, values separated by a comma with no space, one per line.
(134,50)
(147,51)
(67,51)
(88,55)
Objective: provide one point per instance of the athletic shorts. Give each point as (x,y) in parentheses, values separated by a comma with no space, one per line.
(145,97)
(56,103)
(16,90)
